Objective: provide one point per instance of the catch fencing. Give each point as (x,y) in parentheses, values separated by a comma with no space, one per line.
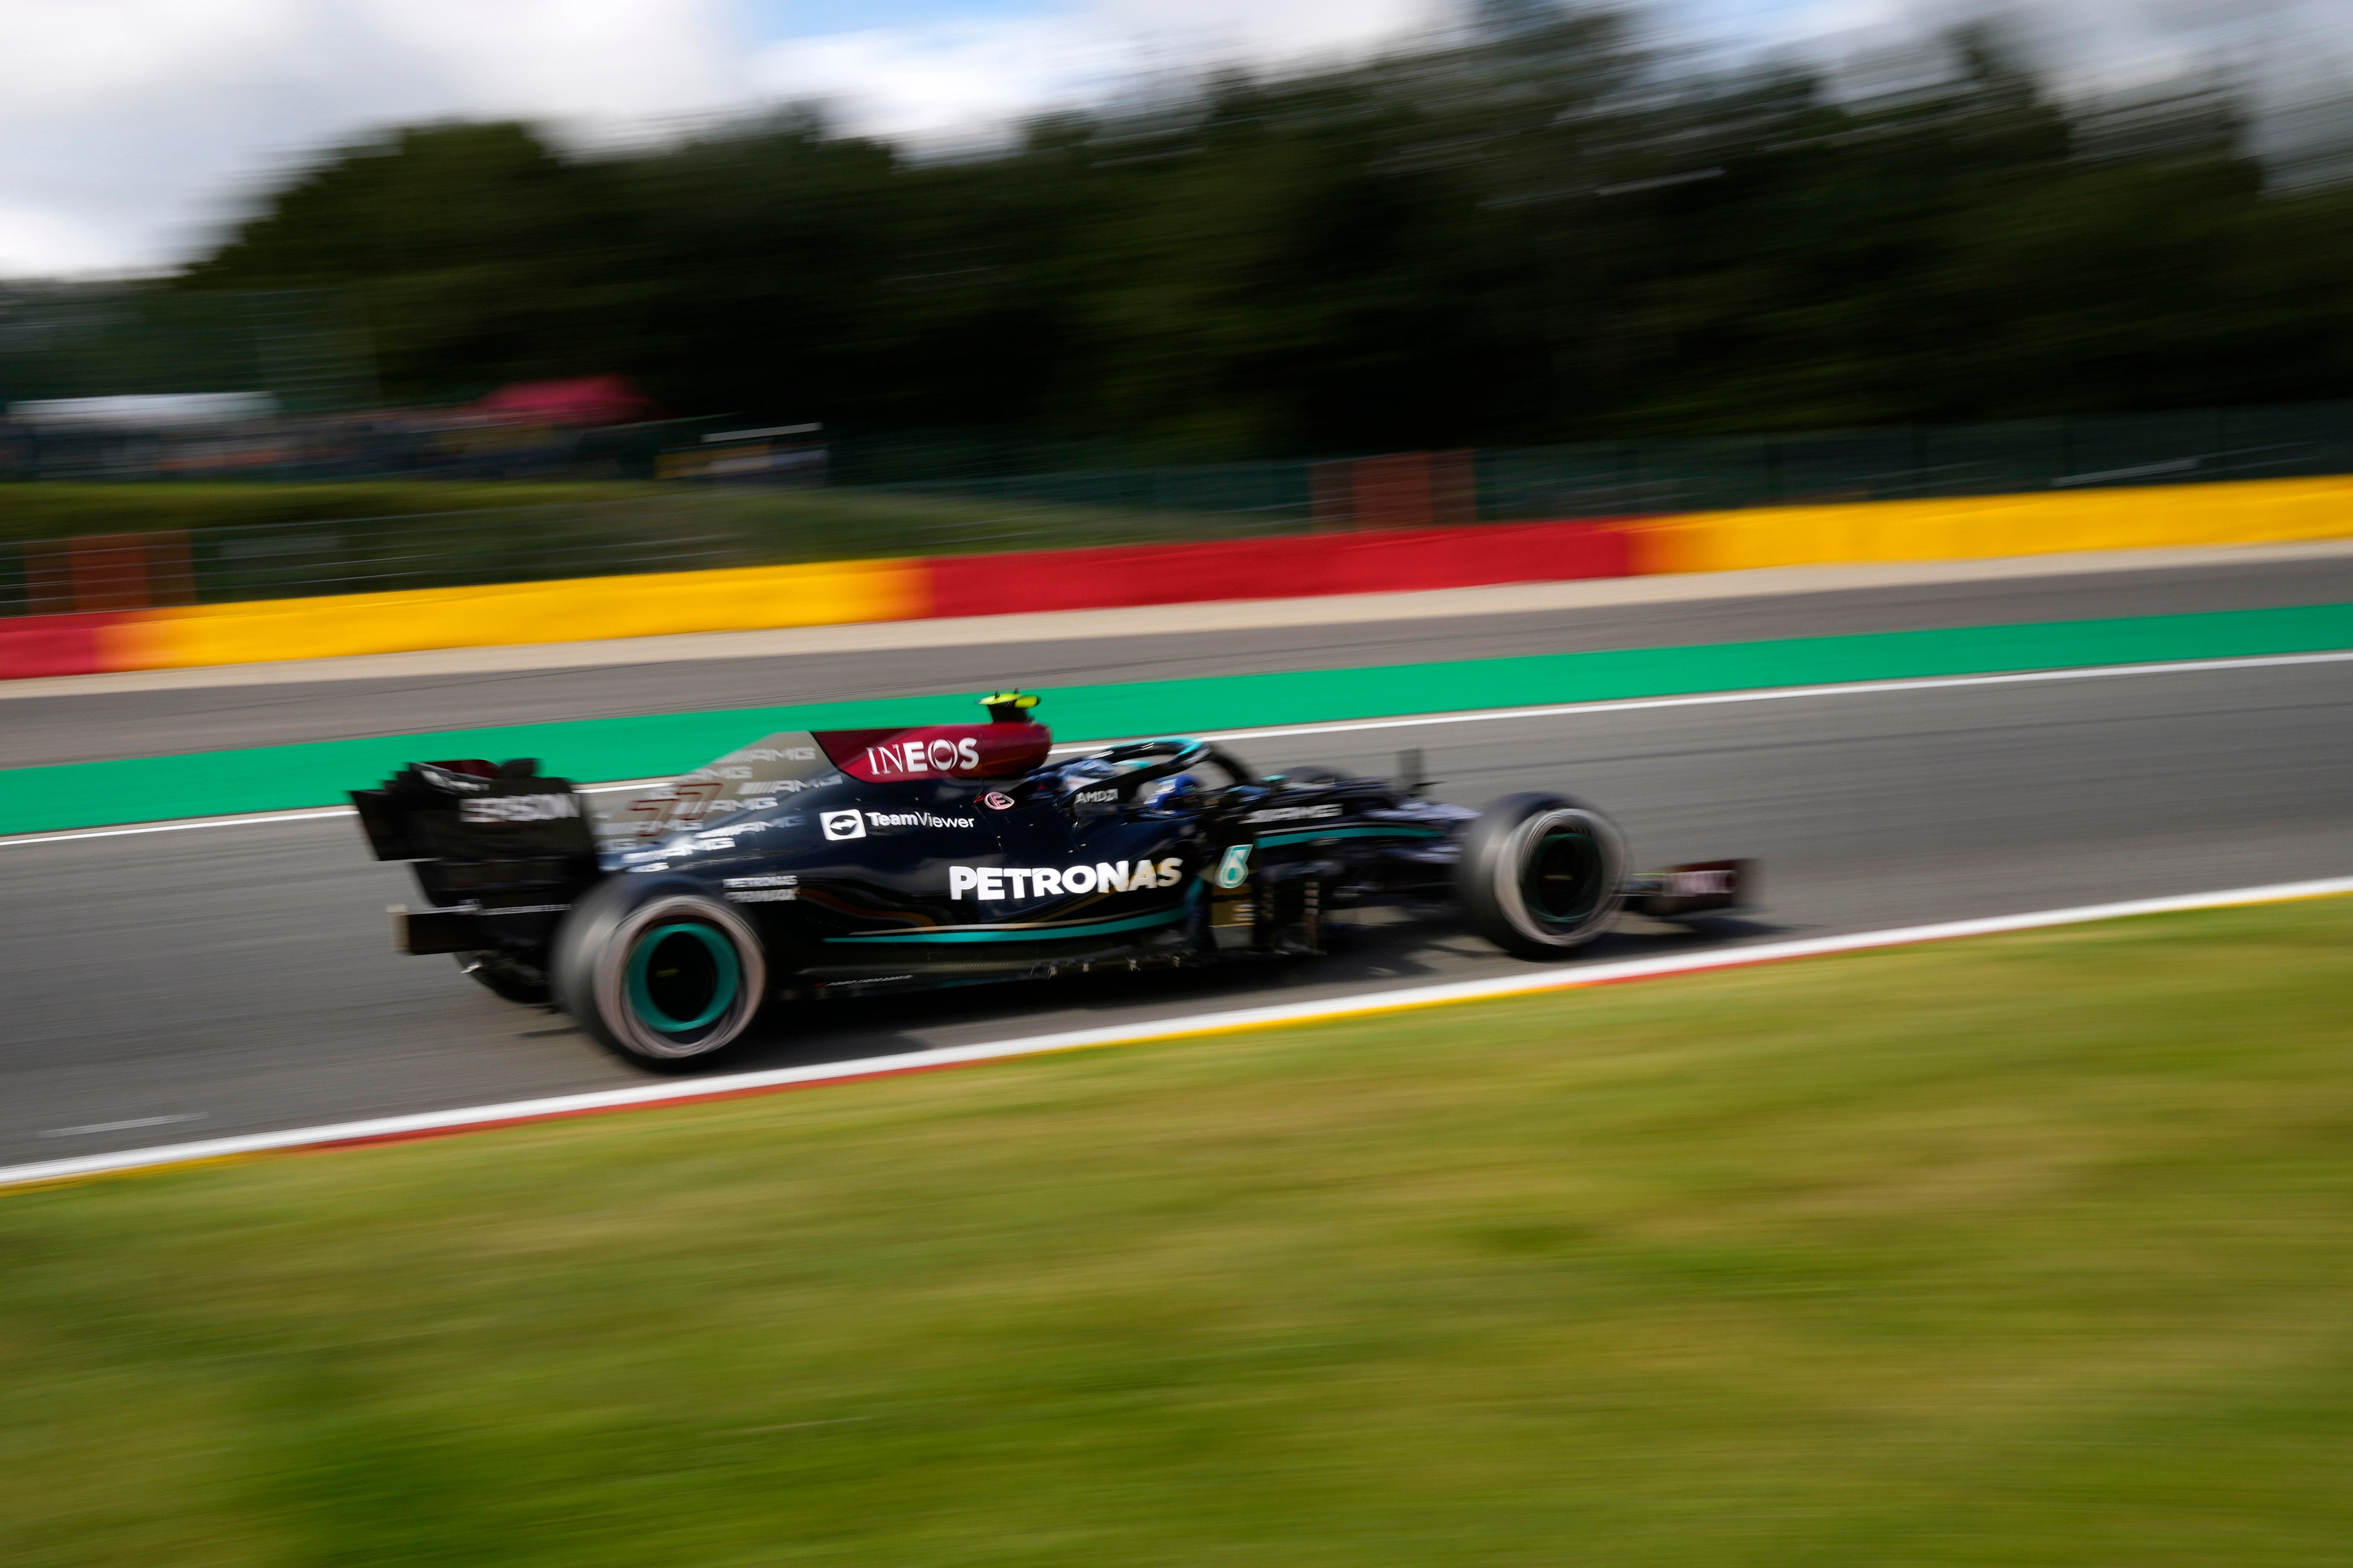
(1601,478)
(700,525)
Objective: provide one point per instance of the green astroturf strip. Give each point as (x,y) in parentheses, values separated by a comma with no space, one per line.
(278,778)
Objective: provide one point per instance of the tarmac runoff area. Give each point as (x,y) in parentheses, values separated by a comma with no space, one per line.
(197,985)
(721,1086)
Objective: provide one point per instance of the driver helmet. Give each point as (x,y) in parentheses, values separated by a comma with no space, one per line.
(1169,792)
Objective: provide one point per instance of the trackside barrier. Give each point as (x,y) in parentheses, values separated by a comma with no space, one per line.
(55,645)
(827,593)
(1294,566)
(2246,512)
(833,593)
(579,609)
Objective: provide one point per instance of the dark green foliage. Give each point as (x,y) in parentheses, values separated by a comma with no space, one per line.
(1534,234)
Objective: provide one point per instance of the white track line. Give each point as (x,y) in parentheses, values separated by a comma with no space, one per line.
(316,813)
(1337,727)
(309,813)
(1783,693)
(724,1085)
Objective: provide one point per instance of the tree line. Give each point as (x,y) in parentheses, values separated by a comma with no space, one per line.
(1533,232)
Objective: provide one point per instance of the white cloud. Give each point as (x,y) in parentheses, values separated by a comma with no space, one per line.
(2304,42)
(132,123)
(604,60)
(63,244)
(132,127)
(952,78)
(136,127)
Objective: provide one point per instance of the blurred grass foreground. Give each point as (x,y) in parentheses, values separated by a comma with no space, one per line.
(2028,1249)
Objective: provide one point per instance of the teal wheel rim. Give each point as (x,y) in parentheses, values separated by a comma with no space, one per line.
(683,977)
(1563,878)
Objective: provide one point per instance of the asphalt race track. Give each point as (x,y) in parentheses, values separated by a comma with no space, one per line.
(171,986)
(90,726)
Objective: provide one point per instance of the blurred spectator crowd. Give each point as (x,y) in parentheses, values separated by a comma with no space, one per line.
(582,428)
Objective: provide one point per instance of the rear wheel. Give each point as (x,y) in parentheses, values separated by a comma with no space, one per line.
(1541,876)
(665,975)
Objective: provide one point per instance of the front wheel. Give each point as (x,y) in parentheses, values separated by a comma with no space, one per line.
(662,973)
(1541,875)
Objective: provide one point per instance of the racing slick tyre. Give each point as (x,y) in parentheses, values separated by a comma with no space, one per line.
(660,971)
(1541,875)
(506,977)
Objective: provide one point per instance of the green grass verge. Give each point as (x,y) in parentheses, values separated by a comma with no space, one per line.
(2030,1249)
(278,778)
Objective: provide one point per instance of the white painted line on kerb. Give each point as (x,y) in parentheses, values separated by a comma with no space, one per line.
(719,1086)
(1343,726)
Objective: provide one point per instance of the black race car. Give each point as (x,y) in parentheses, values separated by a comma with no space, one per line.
(852,862)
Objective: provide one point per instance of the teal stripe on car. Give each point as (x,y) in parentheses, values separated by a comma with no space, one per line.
(1302,835)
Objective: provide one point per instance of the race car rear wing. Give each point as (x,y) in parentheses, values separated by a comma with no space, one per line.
(479,831)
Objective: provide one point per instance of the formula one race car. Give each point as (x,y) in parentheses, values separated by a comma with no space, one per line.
(852,862)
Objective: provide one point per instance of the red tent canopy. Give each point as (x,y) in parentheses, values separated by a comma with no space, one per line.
(579,400)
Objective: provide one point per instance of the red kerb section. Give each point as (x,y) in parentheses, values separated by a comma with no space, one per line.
(54,645)
(1295,566)
(937,752)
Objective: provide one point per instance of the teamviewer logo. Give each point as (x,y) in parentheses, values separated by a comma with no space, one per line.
(843,824)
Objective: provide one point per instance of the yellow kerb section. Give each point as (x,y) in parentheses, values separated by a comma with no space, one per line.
(2249,512)
(576,610)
